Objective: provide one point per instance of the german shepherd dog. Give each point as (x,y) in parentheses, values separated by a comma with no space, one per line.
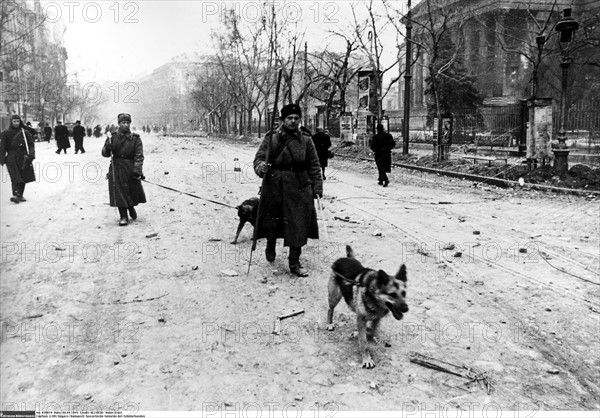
(247,213)
(369,293)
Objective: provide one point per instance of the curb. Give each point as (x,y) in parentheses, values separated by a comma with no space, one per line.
(488,180)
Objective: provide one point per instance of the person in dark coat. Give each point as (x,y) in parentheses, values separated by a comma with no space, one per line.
(88,131)
(382,144)
(17,151)
(292,179)
(48,132)
(32,131)
(125,173)
(322,143)
(61,134)
(78,135)
(98,131)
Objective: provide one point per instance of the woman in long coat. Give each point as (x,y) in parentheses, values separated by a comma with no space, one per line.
(125,173)
(17,151)
(293,180)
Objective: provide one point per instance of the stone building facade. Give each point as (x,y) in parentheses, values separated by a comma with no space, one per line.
(32,62)
(496,40)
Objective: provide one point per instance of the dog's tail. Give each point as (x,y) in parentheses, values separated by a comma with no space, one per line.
(349,252)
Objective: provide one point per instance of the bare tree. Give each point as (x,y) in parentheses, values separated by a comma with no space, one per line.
(368,34)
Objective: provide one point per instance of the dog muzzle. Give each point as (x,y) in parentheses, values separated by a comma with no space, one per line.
(398,309)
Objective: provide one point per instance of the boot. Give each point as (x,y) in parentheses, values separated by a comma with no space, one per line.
(15,199)
(270,250)
(132,212)
(294,262)
(124,221)
(20,191)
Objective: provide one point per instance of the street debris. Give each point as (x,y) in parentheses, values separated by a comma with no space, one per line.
(230,273)
(346,219)
(470,373)
(277,325)
(155,234)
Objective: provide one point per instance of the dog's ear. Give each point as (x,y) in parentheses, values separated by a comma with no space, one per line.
(349,252)
(382,278)
(401,275)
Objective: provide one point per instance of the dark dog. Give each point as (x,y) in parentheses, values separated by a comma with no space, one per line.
(247,212)
(369,293)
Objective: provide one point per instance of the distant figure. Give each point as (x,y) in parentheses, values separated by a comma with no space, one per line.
(32,131)
(61,134)
(48,132)
(98,131)
(78,135)
(382,144)
(322,144)
(89,131)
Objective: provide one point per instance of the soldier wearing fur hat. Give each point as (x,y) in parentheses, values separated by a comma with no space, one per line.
(125,173)
(17,151)
(293,180)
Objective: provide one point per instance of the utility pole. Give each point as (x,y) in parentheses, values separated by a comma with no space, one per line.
(407,81)
(305,113)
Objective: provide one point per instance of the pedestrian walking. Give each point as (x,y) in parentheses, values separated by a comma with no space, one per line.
(32,131)
(17,151)
(48,132)
(88,131)
(78,135)
(98,131)
(293,180)
(61,134)
(322,143)
(125,173)
(382,144)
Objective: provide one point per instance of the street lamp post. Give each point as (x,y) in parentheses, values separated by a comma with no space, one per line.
(566,26)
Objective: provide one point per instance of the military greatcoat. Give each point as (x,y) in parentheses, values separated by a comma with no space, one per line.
(287,205)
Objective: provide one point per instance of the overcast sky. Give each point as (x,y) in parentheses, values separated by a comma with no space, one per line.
(118,41)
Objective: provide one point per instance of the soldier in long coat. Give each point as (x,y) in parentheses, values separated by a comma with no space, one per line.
(61,134)
(125,173)
(17,151)
(293,180)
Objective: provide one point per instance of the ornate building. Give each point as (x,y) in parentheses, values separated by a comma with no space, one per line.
(32,62)
(496,40)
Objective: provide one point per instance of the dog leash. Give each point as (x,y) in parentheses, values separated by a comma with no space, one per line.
(189,194)
(353,282)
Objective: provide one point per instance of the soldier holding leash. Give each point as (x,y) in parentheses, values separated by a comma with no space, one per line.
(293,180)
(125,171)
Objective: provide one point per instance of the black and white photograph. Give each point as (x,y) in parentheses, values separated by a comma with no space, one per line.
(286,208)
